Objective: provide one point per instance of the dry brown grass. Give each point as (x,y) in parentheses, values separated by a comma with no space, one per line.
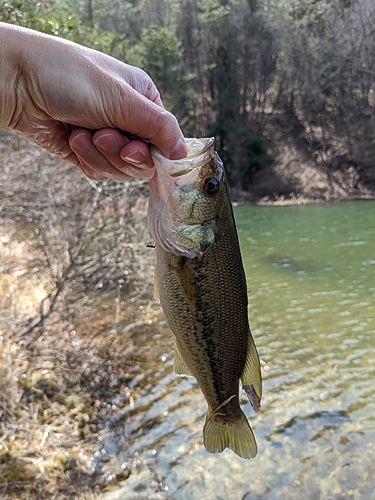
(74,269)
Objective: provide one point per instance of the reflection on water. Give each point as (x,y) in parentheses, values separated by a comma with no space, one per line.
(311,273)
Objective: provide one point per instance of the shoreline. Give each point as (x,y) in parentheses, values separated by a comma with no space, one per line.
(296,200)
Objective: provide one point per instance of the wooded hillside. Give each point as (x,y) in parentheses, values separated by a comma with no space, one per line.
(285,86)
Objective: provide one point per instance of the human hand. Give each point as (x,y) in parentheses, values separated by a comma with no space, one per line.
(84,106)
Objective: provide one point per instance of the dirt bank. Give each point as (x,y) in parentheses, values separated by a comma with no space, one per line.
(309,165)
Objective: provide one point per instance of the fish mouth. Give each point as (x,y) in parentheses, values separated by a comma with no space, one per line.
(177,229)
(199,151)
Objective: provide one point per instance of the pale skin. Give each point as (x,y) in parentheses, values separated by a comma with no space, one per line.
(84,106)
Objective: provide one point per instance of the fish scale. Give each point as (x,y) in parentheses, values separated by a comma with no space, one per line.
(203,292)
(218,326)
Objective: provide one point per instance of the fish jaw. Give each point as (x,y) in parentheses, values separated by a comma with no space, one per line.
(167,226)
(182,219)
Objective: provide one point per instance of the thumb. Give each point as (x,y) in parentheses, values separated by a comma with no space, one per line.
(150,121)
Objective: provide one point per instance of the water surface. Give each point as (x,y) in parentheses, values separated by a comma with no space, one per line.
(311,276)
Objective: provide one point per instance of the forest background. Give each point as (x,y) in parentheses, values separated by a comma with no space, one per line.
(285,86)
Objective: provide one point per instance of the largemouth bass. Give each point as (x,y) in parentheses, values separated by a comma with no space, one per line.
(202,288)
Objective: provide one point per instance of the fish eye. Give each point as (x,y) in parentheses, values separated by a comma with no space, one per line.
(210,186)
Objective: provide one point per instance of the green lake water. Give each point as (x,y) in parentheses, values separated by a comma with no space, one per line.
(311,276)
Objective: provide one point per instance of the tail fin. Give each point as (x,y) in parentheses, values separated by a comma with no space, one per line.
(237,436)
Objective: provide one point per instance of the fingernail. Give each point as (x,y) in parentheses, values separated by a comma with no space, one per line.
(107,143)
(179,151)
(82,144)
(136,157)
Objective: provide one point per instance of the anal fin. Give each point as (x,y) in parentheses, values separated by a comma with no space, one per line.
(251,378)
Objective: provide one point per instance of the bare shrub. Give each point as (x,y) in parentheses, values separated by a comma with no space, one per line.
(74,271)
(87,239)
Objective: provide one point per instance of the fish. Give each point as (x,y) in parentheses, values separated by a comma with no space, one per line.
(201,285)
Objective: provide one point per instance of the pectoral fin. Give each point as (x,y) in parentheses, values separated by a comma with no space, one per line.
(186,279)
(156,285)
(251,377)
(179,365)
